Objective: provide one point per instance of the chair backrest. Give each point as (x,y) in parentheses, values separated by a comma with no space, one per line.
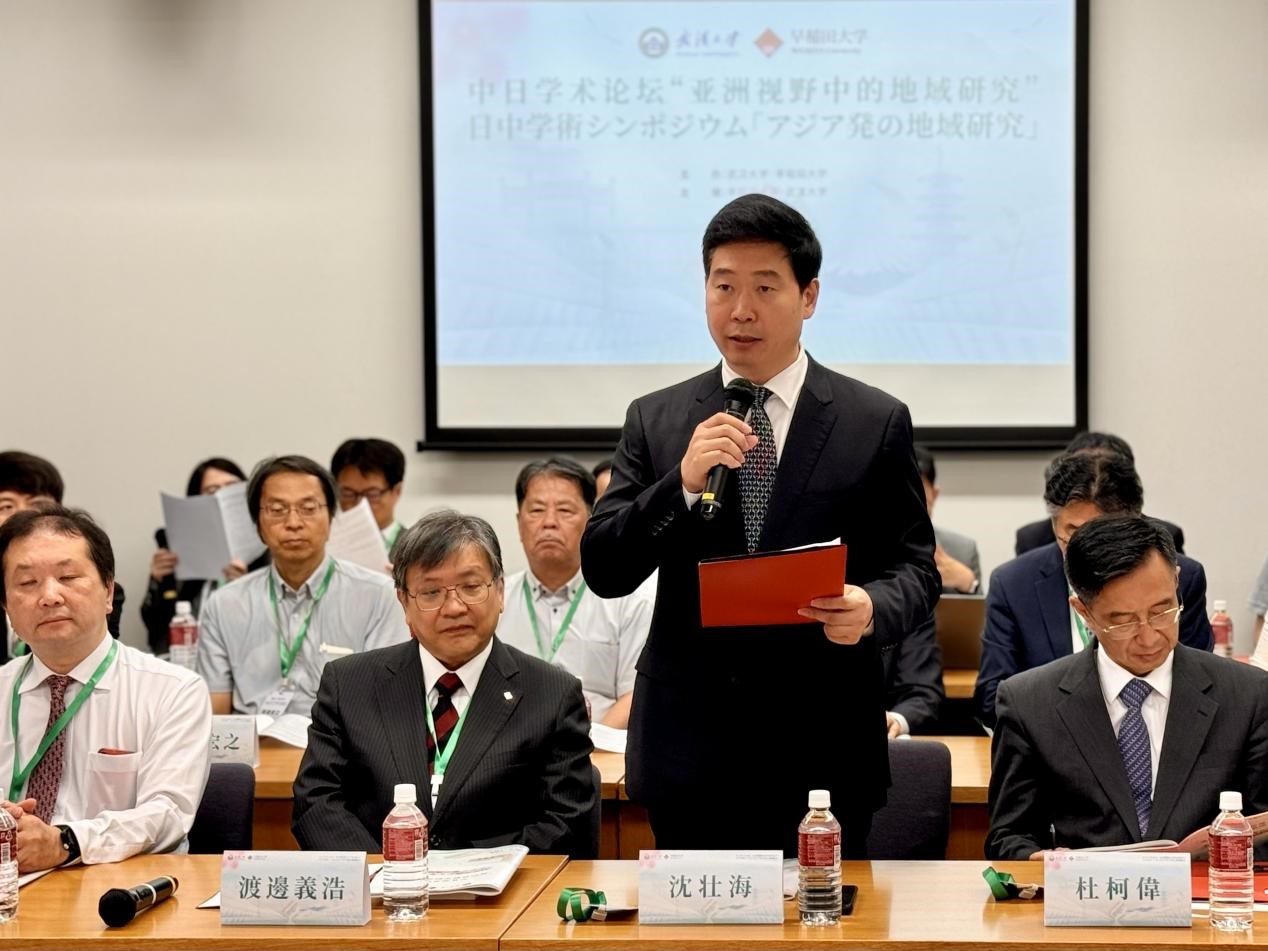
(916,820)
(224,817)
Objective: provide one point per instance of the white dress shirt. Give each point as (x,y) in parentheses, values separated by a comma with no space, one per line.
(141,799)
(469,673)
(1153,711)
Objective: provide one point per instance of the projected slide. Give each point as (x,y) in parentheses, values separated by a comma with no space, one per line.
(580,148)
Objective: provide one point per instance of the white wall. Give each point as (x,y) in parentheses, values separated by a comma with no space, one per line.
(209,243)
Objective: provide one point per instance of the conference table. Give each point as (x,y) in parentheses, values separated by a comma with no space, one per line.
(958,683)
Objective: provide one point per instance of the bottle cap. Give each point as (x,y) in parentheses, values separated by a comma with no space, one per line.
(1230,801)
(405,792)
(1221,606)
(820,799)
(184,607)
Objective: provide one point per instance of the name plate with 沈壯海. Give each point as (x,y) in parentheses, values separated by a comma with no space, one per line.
(1129,889)
(294,888)
(710,887)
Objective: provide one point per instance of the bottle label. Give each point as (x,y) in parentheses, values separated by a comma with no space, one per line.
(1233,853)
(404,845)
(8,845)
(819,849)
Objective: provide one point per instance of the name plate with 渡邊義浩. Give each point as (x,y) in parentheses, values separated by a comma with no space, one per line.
(710,887)
(294,888)
(1129,889)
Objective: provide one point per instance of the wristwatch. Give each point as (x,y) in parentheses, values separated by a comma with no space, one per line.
(70,845)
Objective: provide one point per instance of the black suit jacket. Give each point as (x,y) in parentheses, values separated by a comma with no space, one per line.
(804,711)
(1055,760)
(1028,618)
(521,772)
(1038,534)
(913,678)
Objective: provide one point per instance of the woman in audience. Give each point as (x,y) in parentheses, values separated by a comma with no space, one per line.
(208,477)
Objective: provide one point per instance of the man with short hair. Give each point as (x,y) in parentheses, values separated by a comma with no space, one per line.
(959,564)
(374,470)
(1133,739)
(496,742)
(106,745)
(550,613)
(1029,620)
(264,639)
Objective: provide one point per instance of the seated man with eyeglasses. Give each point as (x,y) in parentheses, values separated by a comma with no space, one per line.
(374,470)
(495,741)
(264,639)
(1133,739)
(1029,620)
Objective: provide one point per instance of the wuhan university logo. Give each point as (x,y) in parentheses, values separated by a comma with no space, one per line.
(653,42)
(768,42)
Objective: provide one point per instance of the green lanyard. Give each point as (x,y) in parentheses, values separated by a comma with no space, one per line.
(559,637)
(391,535)
(1078,622)
(443,757)
(287,653)
(20,775)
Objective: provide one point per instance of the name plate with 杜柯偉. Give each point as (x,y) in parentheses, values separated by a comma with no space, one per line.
(294,888)
(710,887)
(1127,889)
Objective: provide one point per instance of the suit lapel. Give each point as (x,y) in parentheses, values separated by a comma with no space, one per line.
(487,712)
(1190,713)
(1083,712)
(401,695)
(811,424)
(1054,604)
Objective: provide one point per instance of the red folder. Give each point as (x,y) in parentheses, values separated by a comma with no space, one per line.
(768,587)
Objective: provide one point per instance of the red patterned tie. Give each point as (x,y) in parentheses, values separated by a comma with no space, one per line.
(443,714)
(47,775)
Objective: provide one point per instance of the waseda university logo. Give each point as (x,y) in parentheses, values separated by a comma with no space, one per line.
(768,42)
(653,42)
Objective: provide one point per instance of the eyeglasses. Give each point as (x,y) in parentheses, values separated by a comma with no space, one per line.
(1161,622)
(469,592)
(352,496)
(307,509)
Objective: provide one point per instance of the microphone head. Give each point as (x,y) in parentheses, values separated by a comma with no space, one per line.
(117,907)
(740,392)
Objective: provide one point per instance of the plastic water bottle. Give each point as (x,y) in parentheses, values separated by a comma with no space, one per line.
(8,867)
(1222,630)
(405,857)
(1232,867)
(182,636)
(819,862)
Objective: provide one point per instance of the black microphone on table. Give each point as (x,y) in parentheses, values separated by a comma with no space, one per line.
(739,395)
(120,905)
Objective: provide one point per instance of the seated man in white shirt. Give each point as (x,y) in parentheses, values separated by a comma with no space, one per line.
(127,770)
(264,639)
(549,611)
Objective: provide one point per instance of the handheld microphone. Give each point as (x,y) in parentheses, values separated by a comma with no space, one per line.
(120,905)
(740,396)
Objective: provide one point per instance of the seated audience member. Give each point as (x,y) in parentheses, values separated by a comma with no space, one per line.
(495,741)
(550,613)
(1134,738)
(374,470)
(913,682)
(264,639)
(1029,620)
(126,772)
(208,477)
(27,481)
(1037,534)
(602,473)
(955,554)
(1259,607)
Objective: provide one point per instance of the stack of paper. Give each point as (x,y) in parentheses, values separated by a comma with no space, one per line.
(208,531)
(355,537)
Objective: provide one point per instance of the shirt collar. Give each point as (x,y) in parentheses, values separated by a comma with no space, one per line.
(80,673)
(540,591)
(308,588)
(1114,678)
(785,384)
(468,673)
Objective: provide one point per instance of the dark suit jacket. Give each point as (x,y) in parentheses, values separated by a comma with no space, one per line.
(1038,534)
(1028,618)
(913,678)
(1055,760)
(521,772)
(809,712)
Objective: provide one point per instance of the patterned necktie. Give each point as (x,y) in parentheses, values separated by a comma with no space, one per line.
(757,475)
(46,778)
(443,714)
(1133,746)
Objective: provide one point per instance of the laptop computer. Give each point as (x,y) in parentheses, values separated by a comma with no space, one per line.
(959,620)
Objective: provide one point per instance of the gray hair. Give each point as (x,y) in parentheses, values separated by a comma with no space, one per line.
(437,537)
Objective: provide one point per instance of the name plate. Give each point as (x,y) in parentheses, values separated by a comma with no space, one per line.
(710,887)
(234,740)
(294,888)
(1125,889)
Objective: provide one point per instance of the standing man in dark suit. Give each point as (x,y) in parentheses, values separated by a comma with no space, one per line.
(496,742)
(1134,738)
(1029,620)
(820,456)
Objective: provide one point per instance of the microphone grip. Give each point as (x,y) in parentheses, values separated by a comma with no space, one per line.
(711,498)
